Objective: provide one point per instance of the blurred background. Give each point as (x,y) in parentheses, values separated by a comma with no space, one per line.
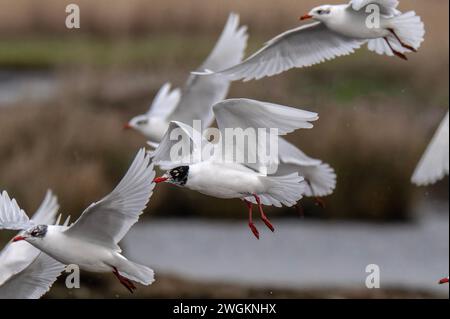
(65,94)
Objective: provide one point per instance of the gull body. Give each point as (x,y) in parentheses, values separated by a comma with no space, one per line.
(217,175)
(73,250)
(226,180)
(351,23)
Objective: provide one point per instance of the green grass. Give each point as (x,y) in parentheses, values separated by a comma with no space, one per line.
(49,52)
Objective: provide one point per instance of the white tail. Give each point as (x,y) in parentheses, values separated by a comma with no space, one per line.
(282,190)
(408,27)
(136,272)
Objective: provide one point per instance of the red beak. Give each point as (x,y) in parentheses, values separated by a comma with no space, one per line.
(160,179)
(127,126)
(443,281)
(306,17)
(18,238)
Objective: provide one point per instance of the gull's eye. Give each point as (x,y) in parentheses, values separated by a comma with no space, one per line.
(319,11)
(142,122)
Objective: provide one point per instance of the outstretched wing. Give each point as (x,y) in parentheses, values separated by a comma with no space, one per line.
(259,122)
(320,177)
(106,222)
(434,163)
(181,145)
(11,215)
(164,102)
(15,258)
(46,213)
(301,47)
(201,93)
(387,7)
(34,281)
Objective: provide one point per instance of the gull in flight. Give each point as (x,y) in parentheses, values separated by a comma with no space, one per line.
(195,100)
(433,165)
(338,30)
(217,176)
(92,241)
(25,271)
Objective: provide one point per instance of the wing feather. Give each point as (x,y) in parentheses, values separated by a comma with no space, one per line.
(11,215)
(434,163)
(106,222)
(185,138)
(201,93)
(34,281)
(300,47)
(165,102)
(46,213)
(247,114)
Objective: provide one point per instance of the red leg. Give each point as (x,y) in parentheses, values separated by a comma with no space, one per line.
(263,216)
(250,219)
(398,54)
(124,281)
(406,46)
(300,210)
(320,202)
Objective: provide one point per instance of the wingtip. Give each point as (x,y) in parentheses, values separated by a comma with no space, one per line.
(204,72)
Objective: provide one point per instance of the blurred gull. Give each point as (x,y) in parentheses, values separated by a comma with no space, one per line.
(92,241)
(198,96)
(221,177)
(26,272)
(339,30)
(433,165)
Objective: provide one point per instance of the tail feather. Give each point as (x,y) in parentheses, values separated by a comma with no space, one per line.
(408,27)
(321,179)
(136,272)
(284,190)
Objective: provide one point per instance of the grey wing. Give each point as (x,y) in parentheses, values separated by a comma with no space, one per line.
(46,213)
(301,47)
(11,215)
(267,120)
(34,281)
(434,164)
(165,102)
(179,146)
(320,177)
(106,222)
(201,93)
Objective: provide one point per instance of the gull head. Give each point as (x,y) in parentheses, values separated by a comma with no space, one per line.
(33,234)
(139,123)
(321,13)
(177,176)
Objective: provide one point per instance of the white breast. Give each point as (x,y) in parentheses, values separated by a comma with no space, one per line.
(224,180)
(155,129)
(69,250)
